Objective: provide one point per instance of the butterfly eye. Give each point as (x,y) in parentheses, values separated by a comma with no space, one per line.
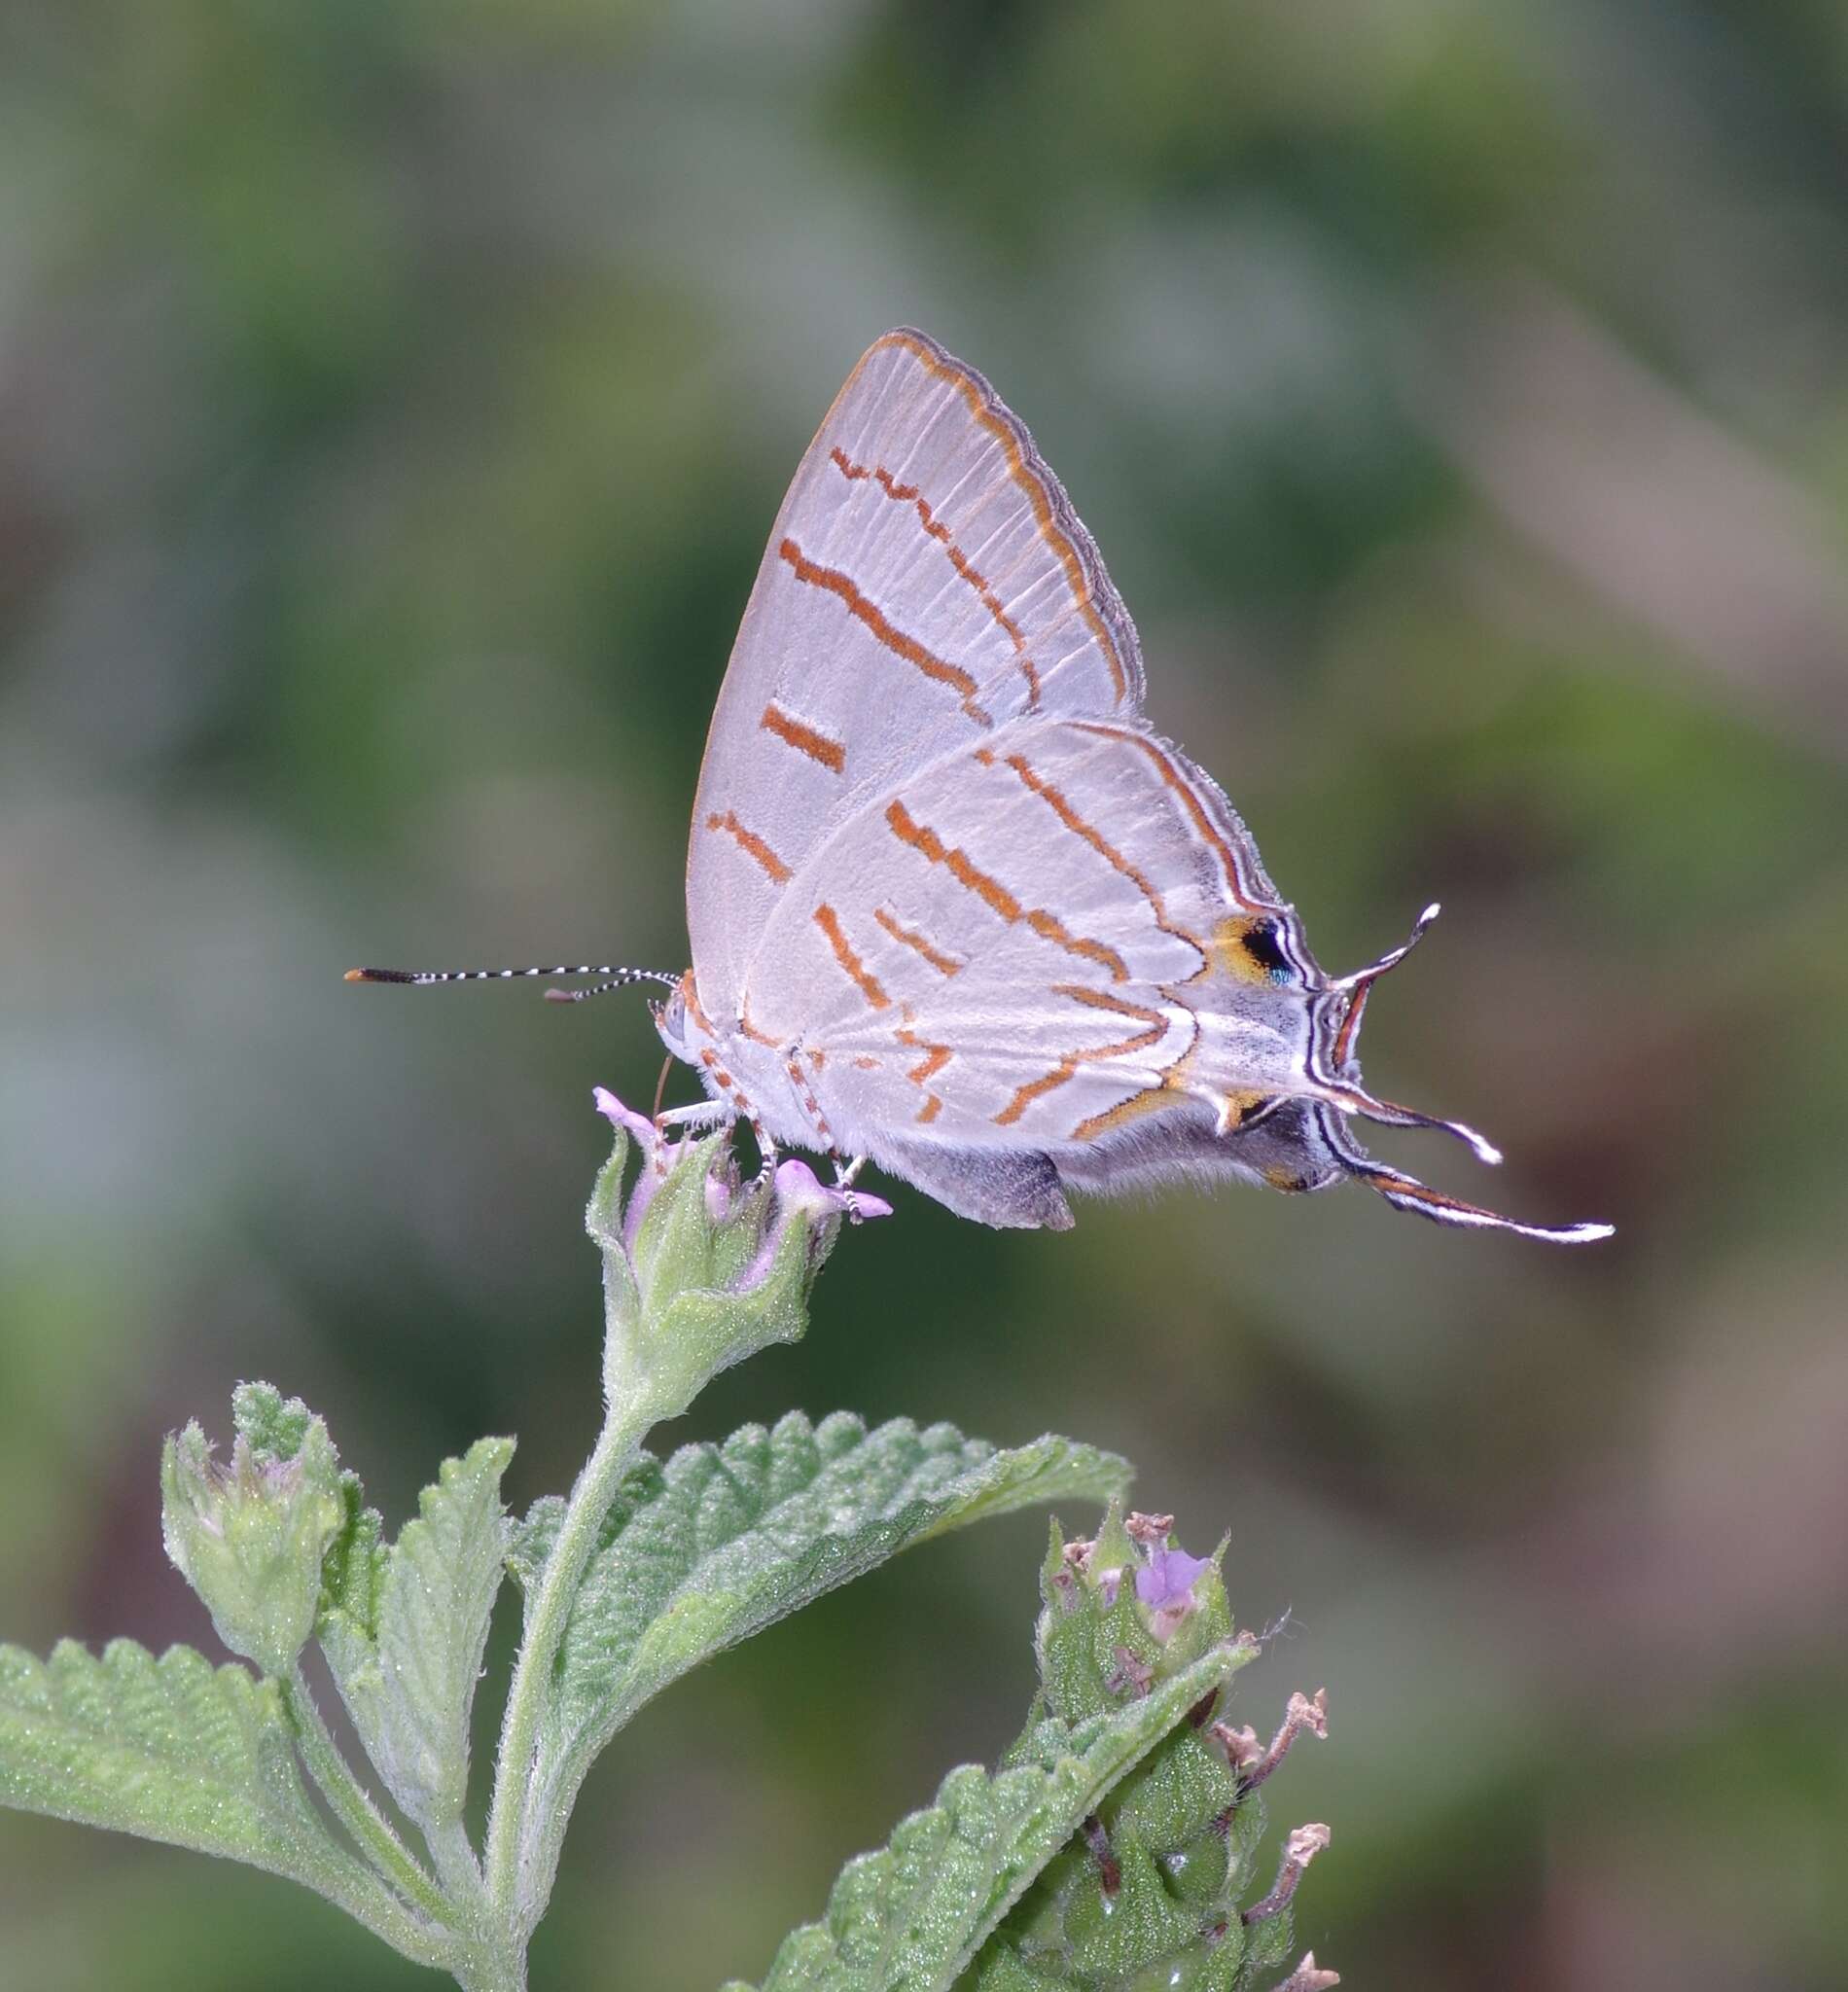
(670,1020)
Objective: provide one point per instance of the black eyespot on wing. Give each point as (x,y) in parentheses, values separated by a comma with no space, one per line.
(1260,941)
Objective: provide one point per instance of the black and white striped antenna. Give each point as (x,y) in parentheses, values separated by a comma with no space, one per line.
(614,978)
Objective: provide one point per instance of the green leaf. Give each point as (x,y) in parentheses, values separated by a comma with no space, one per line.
(404,1630)
(174,1749)
(721,1541)
(910,1917)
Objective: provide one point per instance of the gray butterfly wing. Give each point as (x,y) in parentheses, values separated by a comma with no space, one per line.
(1028,944)
(926,583)
(952,904)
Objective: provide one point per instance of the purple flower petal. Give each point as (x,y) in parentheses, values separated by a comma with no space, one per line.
(1167,1578)
(637,1125)
(799,1187)
(647,1137)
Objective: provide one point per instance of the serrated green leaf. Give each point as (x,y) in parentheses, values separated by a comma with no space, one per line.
(910,1917)
(405,1630)
(721,1541)
(173,1749)
(352,1582)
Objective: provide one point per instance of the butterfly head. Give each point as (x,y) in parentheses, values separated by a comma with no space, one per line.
(674,1017)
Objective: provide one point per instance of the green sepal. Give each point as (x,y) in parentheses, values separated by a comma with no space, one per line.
(250,1536)
(1093,1632)
(697,1273)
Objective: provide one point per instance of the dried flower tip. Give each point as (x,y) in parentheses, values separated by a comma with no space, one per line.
(1310,1977)
(1300,1714)
(1079,1555)
(1304,1844)
(1152,1531)
(1241,1746)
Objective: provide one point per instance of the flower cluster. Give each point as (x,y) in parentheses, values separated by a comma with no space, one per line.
(1153,1891)
(700,1267)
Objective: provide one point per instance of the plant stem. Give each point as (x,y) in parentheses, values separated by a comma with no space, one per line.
(353,1806)
(530,1697)
(457,1868)
(480,1969)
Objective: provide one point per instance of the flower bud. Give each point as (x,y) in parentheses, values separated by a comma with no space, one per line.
(700,1268)
(250,1536)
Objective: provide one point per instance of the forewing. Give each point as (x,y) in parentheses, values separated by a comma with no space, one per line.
(1031,942)
(926,583)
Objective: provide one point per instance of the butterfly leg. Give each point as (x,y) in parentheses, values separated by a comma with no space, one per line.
(844,1174)
(701,1114)
(766,1150)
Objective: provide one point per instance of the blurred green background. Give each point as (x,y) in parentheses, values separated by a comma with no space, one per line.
(393,405)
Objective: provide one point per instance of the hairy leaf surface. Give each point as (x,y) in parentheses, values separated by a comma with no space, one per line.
(721,1541)
(173,1749)
(910,1917)
(407,1652)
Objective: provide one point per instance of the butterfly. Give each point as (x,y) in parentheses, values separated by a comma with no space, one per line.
(955,907)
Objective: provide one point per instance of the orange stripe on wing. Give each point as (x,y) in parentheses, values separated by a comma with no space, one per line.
(921,838)
(996,896)
(831,755)
(943,964)
(1065,1070)
(1148,1099)
(826,918)
(1203,822)
(936,1057)
(1067,1067)
(1350,1023)
(752,844)
(1051,928)
(940,364)
(909,494)
(866,612)
(1054,799)
(1101,999)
